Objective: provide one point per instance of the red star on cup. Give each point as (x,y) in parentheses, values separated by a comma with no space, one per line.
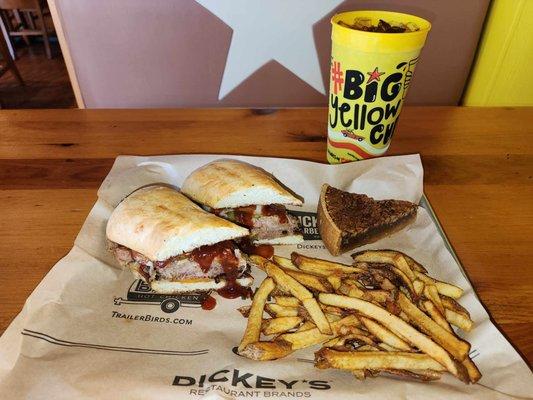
(374,75)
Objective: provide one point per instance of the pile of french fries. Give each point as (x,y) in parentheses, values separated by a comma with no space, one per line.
(383,314)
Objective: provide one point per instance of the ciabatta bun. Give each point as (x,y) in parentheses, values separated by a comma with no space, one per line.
(230,183)
(159,222)
(292,239)
(172,287)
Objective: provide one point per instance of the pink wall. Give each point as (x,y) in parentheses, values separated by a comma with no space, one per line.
(172,53)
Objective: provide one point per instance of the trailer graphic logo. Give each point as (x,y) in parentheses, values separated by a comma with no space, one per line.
(140,293)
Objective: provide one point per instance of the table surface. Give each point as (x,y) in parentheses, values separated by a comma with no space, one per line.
(478,177)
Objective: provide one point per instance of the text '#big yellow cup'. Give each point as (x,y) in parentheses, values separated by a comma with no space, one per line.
(370,73)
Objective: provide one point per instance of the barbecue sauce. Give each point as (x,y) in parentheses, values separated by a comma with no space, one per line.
(263,250)
(244,216)
(224,252)
(275,210)
(209,303)
(232,290)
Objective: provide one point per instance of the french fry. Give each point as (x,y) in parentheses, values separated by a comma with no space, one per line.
(340,341)
(419,286)
(335,342)
(401,263)
(255,317)
(352,282)
(286,282)
(258,261)
(244,310)
(381,296)
(335,281)
(359,374)
(367,348)
(317,316)
(352,330)
(301,293)
(452,304)
(447,289)
(332,310)
(415,266)
(387,257)
(456,314)
(455,346)
(374,360)
(313,282)
(332,317)
(385,335)
(472,370)
(421,375)
(443,288)
(351,291)
(403,276)
(400,328)
(386,347)
(321,267)
(310,337)
(280,325)
(387,285)
(279,292)
(287,301)
(436,315)
(460,320)
(302,339)
(285,263)
(306,326)
(264,351)
(361,339)
(398,273)
(276,311)
(431,292)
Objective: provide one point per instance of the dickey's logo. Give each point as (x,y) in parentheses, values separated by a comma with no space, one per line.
(308,223)
(243,384)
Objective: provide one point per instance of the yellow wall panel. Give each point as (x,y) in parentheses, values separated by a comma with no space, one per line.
(503,72)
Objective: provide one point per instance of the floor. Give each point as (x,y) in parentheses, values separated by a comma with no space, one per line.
(46,81)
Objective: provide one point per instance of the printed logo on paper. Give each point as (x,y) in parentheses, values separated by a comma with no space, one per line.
(240,384)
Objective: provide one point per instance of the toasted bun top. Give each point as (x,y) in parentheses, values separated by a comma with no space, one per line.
(230,183)
(160,223)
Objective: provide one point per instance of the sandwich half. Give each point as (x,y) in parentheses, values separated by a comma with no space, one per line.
(249,196)
(174,245)
(349,220)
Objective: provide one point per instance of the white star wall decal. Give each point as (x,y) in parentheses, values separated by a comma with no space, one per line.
(265,30)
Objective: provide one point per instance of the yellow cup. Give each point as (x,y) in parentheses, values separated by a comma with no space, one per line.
(369,77)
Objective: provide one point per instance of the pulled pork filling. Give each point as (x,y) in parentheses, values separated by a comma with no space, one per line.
(265,222)
(214,261)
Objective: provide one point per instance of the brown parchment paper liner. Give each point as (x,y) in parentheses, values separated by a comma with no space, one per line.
(86,331)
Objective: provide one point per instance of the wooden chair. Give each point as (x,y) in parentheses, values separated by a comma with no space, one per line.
(26,27)
(8,61)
